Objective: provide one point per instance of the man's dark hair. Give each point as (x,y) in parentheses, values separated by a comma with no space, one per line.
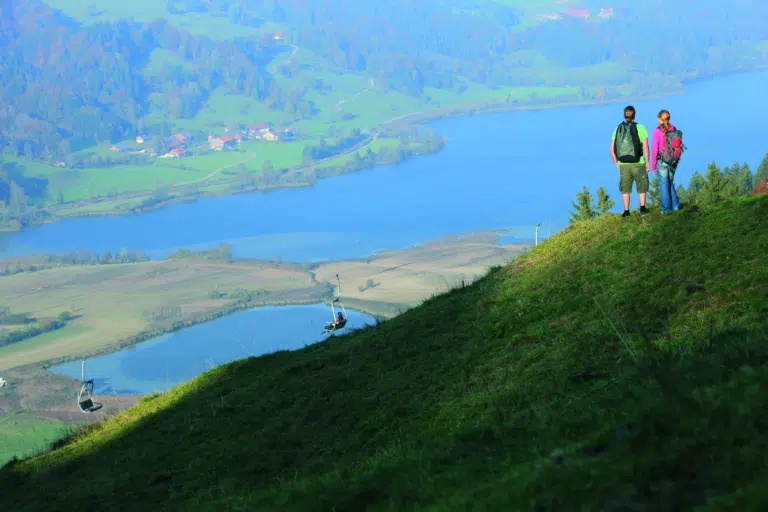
(630,109)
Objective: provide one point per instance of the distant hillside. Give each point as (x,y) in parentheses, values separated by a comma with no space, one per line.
(77,74)
(65,86)
(620,365)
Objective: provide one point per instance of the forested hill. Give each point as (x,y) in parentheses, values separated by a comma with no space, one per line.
(90,74)
(66,84)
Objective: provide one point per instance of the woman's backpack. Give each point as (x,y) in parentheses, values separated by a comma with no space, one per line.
(672,151)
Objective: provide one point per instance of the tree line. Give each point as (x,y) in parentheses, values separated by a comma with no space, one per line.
(81,257)
(28,326)
(223,252)
(473,41)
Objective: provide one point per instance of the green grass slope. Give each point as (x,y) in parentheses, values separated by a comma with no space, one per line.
(621,365)
(22,435)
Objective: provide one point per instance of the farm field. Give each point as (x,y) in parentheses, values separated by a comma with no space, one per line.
(116,302)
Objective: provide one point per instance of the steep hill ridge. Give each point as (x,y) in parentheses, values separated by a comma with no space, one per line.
(621,365)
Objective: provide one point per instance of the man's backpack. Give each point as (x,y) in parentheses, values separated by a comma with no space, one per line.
(671,152)
(627,144)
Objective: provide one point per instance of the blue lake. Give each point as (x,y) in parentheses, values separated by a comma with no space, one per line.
(511,169)
(171,359)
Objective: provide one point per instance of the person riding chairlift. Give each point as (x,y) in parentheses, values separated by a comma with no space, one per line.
(339,318)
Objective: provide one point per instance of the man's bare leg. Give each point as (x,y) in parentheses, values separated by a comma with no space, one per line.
(625,198)
(642,201)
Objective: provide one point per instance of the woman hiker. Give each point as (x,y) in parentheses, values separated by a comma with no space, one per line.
(666,172)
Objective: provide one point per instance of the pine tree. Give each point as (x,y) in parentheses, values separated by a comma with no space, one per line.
(584,206)
(695,187)
(654,192)
(745,180)
(740,177)
(717,186)
(762,171)
(604,201)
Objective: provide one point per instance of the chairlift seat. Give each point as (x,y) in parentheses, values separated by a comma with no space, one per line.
(334,326)
(84,399)
(88,405)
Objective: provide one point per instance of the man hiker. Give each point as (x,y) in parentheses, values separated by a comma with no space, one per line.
(629,150)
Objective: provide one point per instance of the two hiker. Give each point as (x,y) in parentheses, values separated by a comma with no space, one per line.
(630,153)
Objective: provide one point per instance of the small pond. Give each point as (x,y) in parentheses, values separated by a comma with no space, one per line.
(169,360)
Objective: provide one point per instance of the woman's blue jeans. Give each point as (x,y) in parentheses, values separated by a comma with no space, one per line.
(669,199)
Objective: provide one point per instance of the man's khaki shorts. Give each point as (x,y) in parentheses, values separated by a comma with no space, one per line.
(633,173)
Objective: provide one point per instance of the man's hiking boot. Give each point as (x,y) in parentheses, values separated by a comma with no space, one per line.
(625,214)
(643,210)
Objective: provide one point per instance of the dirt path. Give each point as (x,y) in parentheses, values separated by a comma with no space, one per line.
(357,95)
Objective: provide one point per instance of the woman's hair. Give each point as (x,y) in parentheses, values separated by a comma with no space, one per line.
(664,125)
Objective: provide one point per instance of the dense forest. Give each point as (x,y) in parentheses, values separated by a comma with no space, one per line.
(67,85)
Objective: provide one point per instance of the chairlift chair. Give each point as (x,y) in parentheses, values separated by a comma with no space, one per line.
(85,396)
(333,325)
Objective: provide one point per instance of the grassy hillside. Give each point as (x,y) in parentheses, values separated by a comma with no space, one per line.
(25,434)
(621,365)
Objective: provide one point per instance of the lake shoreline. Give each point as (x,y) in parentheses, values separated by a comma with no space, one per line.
(191,198)
(416,118)
(210,317)
(409,275)
(156,333)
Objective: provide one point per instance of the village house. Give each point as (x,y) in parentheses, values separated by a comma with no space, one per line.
(140,139)
(278,36)
(177,140)
(175,153)
(120,148)
(256,130)
(226,141)
(215,143)
(269,136)
(230,141)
